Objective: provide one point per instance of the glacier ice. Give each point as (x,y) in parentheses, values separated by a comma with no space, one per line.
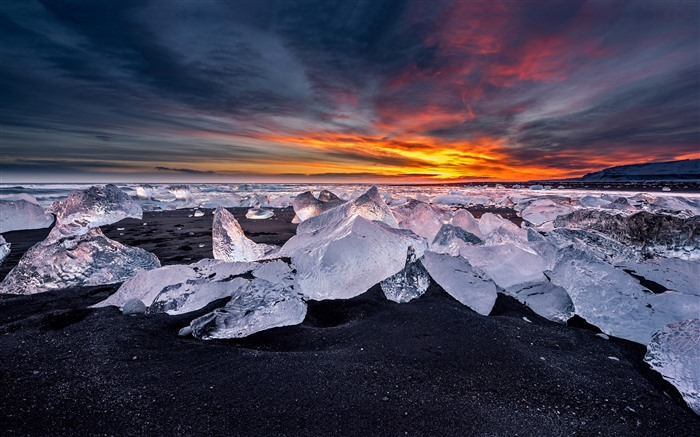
(306,205)
(179,289)
(21,214)
(604,247)
(91,208)
(543,211)
(458,278)
(259,213)
(78,260)
(654,235)
(450,239)
(343,261)
(254,307)
(614,301)
(507,265)
(408,284)
(229,243)
(674,352)
(465,220)
(369,205)
(672,273)
(421,218)
(4,249)
(544,298)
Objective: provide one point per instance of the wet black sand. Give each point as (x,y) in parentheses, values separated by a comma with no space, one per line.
(366,366)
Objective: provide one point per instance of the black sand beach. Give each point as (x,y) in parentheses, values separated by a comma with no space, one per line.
(365,366)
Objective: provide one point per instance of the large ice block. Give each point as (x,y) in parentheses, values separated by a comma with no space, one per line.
(672,273)
(543,211)
(343,261)
(408,284)
(370,206)
(78,260)
(181,289)
(254,307)
(458,278)
(465,220)
(674,352)
(546,299)
(306,205)
(91,208)
(421,218)
(229,243)
(614,301)
(450,239)
(21,214)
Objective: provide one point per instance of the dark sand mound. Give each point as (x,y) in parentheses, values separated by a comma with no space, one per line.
(364,366)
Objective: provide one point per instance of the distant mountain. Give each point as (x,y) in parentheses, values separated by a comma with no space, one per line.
(688,169)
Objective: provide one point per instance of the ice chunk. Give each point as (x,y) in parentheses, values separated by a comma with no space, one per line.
(257,306)
(258,213)
(604,248)
(654,235)
(21,214)
(672,273)
(229,243)
(543,211)
(96,206)
(508,264)
(674,352)
(614,301)
(4,249)
(369,206)
(465,220)
(79,260)
(198,213)
(451,239)
(459,279)
(179,289)
(345,261)
(306,205)
(408,284)
(421,218)
(546,299)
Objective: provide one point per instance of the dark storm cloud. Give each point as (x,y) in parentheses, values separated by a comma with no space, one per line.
(160,84)
(183,170)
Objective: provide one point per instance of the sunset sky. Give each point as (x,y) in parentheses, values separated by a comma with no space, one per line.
(369,91)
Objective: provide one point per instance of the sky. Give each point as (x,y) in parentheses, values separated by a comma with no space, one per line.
(344,91)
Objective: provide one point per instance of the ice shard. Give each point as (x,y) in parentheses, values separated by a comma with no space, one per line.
(229,243)
(674,352)
(616,302)
(543,211)
(344,261)
(254,307)
(21,214)
(179,289)
(465,220)
(258,213)
(78,260)
(4,249)
(370,206)
(544,298)
(421,218)
(408,284)
(458,278)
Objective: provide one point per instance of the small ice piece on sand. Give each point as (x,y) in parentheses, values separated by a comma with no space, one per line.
(4,249)
(229,243)
(257,306)
(450,239)
(527,320)
(370,206)
(21,214)
(674,352)
(345,261)
(603,336)
(199,213)
(258,213)
(613,358)
(82,260)
(408,284)
(91,208)
(459,279)
(133,306)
